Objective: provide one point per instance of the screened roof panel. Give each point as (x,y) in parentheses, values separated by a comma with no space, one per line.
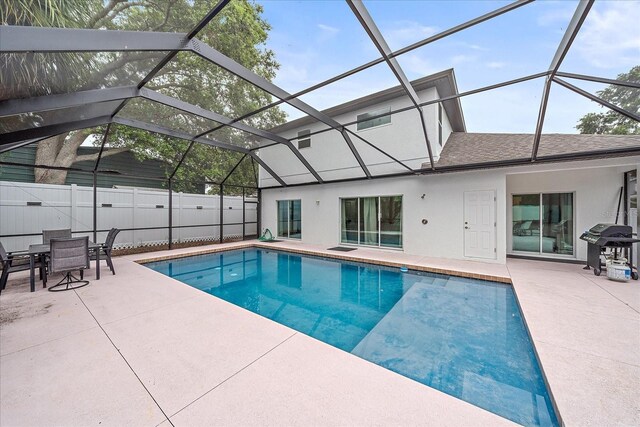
(270,117)
(377,163)
(607,43)
(204,163)
(52,117)
(411,148)
(300,44)
(516,44)
(407,22)
(371,80)
(76,149)
(165,116)
(620,96)
(331,157)
(503,108)
(285,164)
(192,79)
(234,136)
(26,75)
(146,153)
(156,15)
(566,109)
(245,174)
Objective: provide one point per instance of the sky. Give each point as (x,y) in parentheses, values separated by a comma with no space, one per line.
(316,40)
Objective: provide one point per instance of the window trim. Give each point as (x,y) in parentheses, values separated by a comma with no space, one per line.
(379,245)
(440,124)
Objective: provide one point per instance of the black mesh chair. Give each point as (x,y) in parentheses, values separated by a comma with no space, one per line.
(11,263)
(107,247)
(66,256)
(47,235)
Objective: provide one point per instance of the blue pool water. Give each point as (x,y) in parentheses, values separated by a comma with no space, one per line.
(464,337)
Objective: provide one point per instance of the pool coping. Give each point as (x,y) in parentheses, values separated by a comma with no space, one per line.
(416,267)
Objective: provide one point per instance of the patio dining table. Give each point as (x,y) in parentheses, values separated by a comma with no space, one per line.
(41,250)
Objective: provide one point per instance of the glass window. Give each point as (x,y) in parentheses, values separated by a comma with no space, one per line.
(557,223)
(543,223)
(369,221)
(304,138)
(376,119)
(526,222)
(372,221)
(349,221)
(391,221)
(290,219)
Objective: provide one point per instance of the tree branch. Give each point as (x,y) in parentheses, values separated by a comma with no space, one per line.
(117,10)
(104,12)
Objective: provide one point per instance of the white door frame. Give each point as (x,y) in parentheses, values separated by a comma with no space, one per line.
(495,223)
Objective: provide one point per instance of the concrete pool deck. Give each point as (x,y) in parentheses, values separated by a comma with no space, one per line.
(140,348)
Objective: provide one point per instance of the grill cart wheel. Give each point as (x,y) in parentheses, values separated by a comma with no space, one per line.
(597,271)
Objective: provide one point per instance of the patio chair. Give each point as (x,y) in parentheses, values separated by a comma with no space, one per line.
(13,263)
(107,247)
(66,256)
(47,235)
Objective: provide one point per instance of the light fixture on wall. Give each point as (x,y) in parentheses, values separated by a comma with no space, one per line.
(423,195)
(318,202)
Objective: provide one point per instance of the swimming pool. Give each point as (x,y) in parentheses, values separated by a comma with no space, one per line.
(465,337)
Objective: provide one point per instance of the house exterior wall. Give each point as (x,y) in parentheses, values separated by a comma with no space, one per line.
(330,156)
(595,183)
(596,192)
(442,207)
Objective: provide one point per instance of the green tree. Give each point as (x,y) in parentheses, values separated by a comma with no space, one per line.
(610,122)
(239,32)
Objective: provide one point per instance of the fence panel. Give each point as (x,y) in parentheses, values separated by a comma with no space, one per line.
(28,208)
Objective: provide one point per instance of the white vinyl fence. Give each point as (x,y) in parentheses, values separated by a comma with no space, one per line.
(28,208)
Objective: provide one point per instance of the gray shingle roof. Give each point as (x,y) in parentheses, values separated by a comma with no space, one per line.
(470,148)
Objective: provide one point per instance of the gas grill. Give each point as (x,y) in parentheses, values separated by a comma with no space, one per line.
(613,236)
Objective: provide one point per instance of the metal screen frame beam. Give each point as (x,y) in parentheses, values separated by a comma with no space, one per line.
(599,100)
(586,155)
(212,55)
(233,169)
(435,101)
(23,39)
(490,15)
(579,16)
(207,114)
(65,100)
(633,85)
(52,130)
(150,127)
(181,135)
(362,14)
(15,145)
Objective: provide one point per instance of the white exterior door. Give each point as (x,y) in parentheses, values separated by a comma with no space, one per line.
(480,224)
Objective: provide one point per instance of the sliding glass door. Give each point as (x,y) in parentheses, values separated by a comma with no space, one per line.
(542,223)
(371,221)
(290,219)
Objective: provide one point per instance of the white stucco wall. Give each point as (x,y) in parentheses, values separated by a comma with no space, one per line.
(596,184)
(442,207)
(596,191)
(330,156)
